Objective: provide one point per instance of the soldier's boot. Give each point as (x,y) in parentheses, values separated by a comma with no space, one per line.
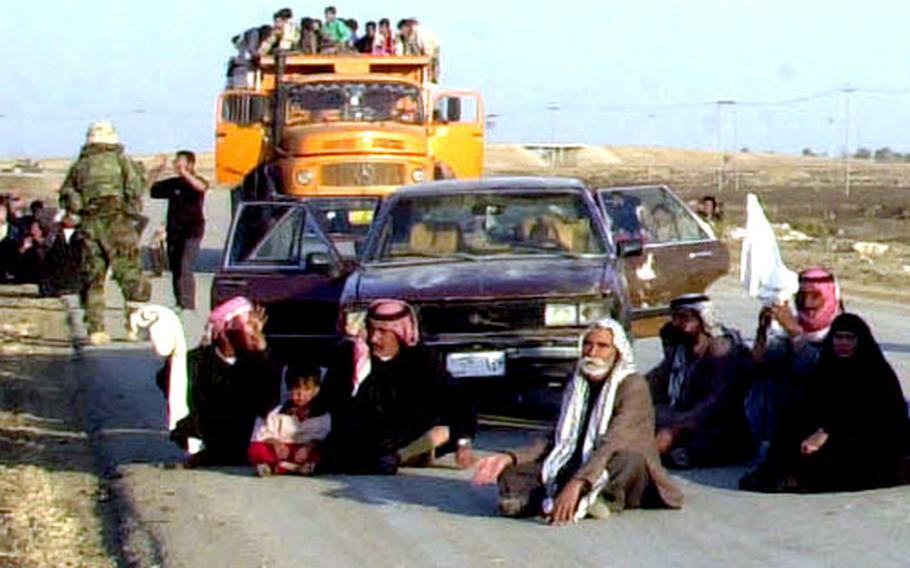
(98,338)
(93,302)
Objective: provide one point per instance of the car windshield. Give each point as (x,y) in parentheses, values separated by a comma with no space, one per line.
(475,225)
(354,102)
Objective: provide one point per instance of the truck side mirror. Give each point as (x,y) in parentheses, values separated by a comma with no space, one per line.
(453,109)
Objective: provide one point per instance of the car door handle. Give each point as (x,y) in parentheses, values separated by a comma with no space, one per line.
(234,282)
(700,254)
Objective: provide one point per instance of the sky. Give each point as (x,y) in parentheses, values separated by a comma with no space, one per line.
(623,72)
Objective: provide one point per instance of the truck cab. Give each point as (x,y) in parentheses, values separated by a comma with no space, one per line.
(347,125)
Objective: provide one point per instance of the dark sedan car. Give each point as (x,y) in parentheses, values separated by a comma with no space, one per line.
(504,273)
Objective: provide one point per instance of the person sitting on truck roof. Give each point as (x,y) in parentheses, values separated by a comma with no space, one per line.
(365,44)
(391,405)
(384,42)
(285,34)
(419,40)
(354,26)
(337,37)
(405,43)
(310,36)
(602,456)
(247,45)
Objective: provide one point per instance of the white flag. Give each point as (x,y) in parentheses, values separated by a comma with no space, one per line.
(762,271)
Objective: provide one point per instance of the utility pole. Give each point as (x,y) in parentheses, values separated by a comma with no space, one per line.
(847,92)
(555,155)
(490,124)
(652,140)
(720,142)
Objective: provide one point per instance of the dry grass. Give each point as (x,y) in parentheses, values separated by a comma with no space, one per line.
(38,527)
(49,492)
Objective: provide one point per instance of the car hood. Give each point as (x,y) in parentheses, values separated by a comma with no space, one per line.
(499,279)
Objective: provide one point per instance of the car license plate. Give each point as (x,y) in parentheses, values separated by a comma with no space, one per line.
(479,364)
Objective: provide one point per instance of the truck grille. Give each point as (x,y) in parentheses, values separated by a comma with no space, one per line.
(359,174)
(481,317)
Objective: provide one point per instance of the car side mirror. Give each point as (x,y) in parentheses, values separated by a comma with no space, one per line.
(629,248)
(319,263)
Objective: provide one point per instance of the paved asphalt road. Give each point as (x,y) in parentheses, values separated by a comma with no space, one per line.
(435,517)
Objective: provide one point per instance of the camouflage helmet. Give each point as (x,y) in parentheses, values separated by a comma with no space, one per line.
(101,133)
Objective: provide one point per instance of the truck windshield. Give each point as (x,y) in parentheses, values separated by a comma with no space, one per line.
(315,103)
(471,226)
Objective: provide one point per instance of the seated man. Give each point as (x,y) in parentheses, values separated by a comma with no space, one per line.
(224,386)
(787,347)
(602,456)
(389,401)
(699,389)
(285,34)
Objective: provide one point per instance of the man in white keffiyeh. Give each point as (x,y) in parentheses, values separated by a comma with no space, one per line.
(602,456)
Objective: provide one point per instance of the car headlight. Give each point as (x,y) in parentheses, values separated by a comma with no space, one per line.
(591,312)
(560,315)
(418,175)
(304,177)
(354,322)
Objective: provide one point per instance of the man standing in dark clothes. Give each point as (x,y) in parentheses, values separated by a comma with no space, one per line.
(185,193)
(391,404)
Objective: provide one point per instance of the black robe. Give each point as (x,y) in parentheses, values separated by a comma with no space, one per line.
(398,402)
(859,403)
(709,415)
(225,400)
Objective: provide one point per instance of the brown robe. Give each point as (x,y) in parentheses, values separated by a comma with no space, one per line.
(631,429)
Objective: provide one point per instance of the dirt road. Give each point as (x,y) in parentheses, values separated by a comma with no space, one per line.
(435,517)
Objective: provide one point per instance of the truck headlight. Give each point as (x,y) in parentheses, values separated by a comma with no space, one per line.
(560,315)
(418,175)
(304,177)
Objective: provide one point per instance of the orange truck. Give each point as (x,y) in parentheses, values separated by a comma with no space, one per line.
(347,125)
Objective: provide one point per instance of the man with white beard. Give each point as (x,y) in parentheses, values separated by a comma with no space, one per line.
(602,456)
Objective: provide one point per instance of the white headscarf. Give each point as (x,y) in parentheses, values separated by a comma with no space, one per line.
(574,402)
(166,334)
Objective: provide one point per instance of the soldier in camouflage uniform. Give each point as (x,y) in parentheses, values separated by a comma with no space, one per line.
(104,187)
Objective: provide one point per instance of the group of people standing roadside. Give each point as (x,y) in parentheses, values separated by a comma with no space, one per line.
(815,385)
(331,36)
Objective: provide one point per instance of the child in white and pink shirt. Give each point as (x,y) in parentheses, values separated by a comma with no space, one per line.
(286,441)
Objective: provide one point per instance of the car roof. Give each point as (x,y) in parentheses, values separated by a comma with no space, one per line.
(493,183)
